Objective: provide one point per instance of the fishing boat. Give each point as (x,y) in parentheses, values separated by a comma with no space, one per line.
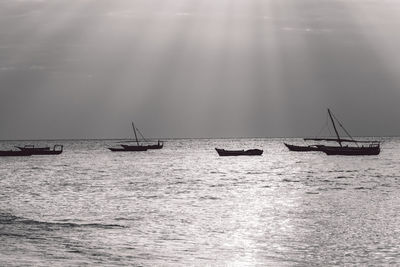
(358,147)
(158,145)
(123,149)
(57,150)
(14,153)
(372,149)
(138,146)
(250,152)
(303,148)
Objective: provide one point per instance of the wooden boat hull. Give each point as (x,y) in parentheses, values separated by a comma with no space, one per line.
(250,152)
(352,151)
(42,150)
(128,149)
(303,148)
(158,146)
(50,152)
(134,148)
(146,147)
(32,148)
(117,149)
(13,153)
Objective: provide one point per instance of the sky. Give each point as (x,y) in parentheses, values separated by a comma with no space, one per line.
(197,68)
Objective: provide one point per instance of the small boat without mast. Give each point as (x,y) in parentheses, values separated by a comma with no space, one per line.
(303,148)
(14,153)
(57,150)
(250,152)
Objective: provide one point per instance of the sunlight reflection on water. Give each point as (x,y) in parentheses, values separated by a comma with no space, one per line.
(184,205)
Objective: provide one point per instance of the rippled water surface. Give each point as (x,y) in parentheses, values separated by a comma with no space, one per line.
(183,205)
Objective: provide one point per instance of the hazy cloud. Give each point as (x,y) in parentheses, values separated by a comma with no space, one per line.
(197,68)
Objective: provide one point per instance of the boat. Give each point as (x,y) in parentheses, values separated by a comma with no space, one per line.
(123,149)
(359,147)
(14,153)
(57,150)
(372,149)
(158,145)
(303,148)
(250,152)
(138,146)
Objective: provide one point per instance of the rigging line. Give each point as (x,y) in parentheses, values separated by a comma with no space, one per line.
(141,135)
(343,127)
(323,127)
(134,130)
(334,127)
(330,132)
(328,124)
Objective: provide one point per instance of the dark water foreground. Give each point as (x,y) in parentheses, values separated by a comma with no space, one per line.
(184,205)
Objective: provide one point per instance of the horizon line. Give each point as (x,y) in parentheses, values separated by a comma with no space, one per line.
(174,138)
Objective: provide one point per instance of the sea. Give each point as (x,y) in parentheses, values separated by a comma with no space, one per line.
(184,205)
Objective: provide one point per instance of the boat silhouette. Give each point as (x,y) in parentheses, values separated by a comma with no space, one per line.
(372,149)
(159,145)
(57,150)
(127,149)
(14,153)
(303,148)
(249,152)
(359,147)
(139,146)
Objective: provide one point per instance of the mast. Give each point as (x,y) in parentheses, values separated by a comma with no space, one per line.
(334,127)
(134,130)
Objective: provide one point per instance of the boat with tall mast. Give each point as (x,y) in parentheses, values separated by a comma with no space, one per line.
(130,148)
(158,145)
(359,147)
(139,146)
